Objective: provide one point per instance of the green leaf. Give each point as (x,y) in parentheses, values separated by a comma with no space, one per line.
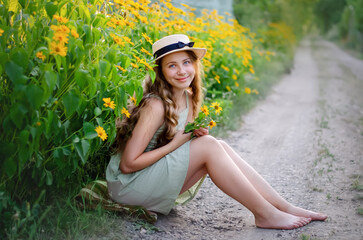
(99,121)
(82,149)
(89,130)
(20,57)
(152,75)
(71,102)
(24,156)
(51,9)
(35,95)
(126,60)
(88,32)
(97,111)
(50,79)
(105,67)
(81,77)
(15,73)
(85,148)
(17,114)
(139,93)
(84,11)
(48,177)
(10,167)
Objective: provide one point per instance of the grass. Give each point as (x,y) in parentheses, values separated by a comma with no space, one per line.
(66,221)
(307,237)
(360,211)
(357,185)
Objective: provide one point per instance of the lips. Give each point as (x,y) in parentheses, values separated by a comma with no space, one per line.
(182,79)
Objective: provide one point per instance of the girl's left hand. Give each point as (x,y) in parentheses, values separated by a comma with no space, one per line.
(200,132)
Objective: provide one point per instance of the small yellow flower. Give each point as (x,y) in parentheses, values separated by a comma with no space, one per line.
(120,68)
(1,32)
(234,77)
(126,112)
(74,34)
(127,39)
(216,107)
(38,123)
(247,90)
(60,37)
(60,19)
(212,124)
(61,28)
(117,40)
(109,103)
(40,55)
(133,100)
(205,110)
(217,79)
(228,88)
(145,51)
(147,38)
(225,68)
(136,57)
(255,91)
(237,84)
(252,70)
(101,133)
(134,65)
(58,49)
(146,64)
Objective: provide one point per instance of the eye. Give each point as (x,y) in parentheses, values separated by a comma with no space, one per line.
(187,62)
(171,66)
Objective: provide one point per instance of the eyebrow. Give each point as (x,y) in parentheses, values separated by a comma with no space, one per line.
(175,61)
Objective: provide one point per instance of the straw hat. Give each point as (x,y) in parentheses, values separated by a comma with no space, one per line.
(175,43)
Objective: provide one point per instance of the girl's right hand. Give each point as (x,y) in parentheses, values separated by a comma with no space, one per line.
(180,138)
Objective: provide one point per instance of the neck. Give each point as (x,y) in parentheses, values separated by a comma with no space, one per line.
(180,98)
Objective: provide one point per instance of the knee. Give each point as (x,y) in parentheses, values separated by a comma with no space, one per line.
(207,142)
(223,143)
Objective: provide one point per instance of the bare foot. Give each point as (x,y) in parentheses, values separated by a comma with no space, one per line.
(281,220)
(300,212)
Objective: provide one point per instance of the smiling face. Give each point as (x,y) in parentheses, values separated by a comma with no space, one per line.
(178,70)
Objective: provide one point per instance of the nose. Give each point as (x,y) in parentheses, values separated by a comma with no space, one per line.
(181,71)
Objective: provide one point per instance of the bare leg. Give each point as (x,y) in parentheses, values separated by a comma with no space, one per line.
(266,190)
(208,155)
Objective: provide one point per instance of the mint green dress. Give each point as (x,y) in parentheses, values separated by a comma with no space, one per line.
(156,187)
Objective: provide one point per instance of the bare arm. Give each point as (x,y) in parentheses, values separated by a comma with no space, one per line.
(133,157)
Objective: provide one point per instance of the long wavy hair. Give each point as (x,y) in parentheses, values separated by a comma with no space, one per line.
(164,90)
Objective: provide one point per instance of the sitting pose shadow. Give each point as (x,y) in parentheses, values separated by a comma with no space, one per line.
(155,161)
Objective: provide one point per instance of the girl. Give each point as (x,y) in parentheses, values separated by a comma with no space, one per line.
(156,161)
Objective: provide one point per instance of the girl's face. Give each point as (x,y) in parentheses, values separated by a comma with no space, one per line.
(178,70)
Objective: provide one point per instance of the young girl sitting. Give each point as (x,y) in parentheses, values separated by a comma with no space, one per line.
(156,161)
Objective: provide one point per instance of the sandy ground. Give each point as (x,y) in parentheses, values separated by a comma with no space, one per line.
(306,140)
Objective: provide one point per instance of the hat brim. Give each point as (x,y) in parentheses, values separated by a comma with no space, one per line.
(199,52)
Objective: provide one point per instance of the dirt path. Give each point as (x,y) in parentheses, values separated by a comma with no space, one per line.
(306,139)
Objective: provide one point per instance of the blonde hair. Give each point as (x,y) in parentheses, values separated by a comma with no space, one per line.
(162,89)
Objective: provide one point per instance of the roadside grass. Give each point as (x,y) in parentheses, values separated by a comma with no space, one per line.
(360,211)
(357,185)
(66,221)
(307,237)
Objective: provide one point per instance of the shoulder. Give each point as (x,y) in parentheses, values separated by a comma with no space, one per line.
(154,107)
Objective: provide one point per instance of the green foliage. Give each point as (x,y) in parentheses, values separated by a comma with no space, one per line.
(351,24)
(328,12)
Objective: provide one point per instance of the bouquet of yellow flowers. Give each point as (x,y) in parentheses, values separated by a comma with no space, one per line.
(207,117)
